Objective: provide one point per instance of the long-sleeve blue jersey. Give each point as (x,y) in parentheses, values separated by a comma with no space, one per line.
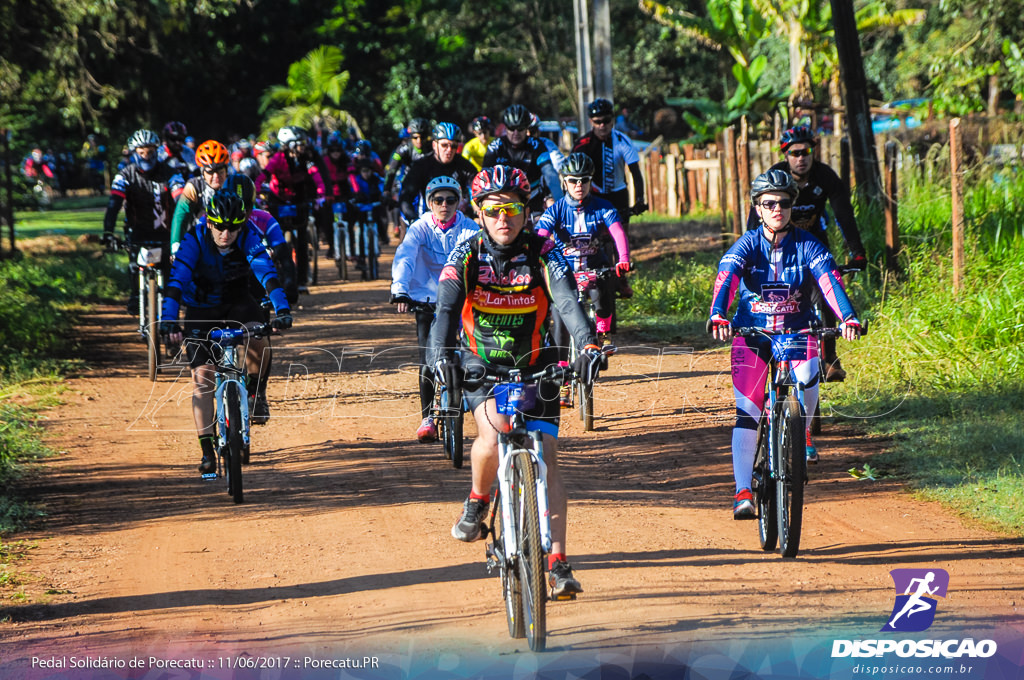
(204,277)
(775,284)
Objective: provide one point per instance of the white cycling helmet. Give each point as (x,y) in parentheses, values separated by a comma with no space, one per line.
(445,183)
(142,138)
(291,135)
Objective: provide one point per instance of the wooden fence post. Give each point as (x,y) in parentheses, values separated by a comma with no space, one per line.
(957,180)
(892,230)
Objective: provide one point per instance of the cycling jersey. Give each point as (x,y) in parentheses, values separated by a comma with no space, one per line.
(823,185)
(581,229)
(474,152)
(336,177)
(205,277)
(146,197)
(610,156)
(189,207)
(556,155)
(775,284)
(183,163)
(424,251)
(291,180)
(532,158)
(403,156)
(504,294)
(425,169)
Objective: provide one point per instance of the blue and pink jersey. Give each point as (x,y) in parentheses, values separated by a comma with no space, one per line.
(775,285)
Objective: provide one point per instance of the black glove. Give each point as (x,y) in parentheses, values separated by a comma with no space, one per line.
(283,320)
(168,328)
(588,363)
(638,208)
(398,299)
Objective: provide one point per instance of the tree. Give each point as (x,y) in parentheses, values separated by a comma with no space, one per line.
(312,96)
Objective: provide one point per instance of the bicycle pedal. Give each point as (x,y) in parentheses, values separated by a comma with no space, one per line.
(208,476)
(564,597)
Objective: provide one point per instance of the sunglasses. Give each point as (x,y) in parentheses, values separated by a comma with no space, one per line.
(446,145)
(444,200)
(518,129)
(416,136)
(784,204)
(799,153)
(214,169)
(510,209)
(601,121)
(577,180)
(220,225)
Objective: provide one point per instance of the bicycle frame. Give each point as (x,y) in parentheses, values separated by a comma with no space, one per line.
(342,242)
(229,370)
(147,266)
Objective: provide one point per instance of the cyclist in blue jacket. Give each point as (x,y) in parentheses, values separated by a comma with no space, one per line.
(773,270)
(211,277)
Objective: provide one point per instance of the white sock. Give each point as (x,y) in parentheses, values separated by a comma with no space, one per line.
(743,443)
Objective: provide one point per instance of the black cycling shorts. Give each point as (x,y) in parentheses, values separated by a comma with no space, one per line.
(542,416)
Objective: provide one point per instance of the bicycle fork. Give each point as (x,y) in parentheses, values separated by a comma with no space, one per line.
(507,454)
(222,411)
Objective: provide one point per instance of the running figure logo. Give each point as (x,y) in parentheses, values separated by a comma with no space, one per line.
(915,605)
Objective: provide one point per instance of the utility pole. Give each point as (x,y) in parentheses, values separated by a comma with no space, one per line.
(584,72)
(602,50)
(851,68)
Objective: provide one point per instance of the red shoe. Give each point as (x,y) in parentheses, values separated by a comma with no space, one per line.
(427,431)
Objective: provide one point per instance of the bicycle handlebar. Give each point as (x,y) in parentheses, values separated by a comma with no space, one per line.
(821,332)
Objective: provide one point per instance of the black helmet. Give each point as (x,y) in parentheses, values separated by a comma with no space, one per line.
(516,117)
(599,107)
(773,181)
(480,124)
(419,126)
(175,131)
(227,209)
(577,164)
(241,186)
(801,134)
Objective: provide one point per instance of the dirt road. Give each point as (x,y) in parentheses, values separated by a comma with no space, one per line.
(343,547)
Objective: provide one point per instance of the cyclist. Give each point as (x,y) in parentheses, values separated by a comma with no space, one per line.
(501,283)
(474,149)
(366,187)
(336,178)
(444,161)
(211,278)
(212,158)
(557,157)
(290,177)
(818,184)
(417,266)
(582,224)
(364,151)
(518,149)
(143,187)
(612,152)
(772,269)
(174,152)
(36,168)
(408,150)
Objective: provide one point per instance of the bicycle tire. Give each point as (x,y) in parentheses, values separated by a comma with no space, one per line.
(234,449)
(152,336)
(313,239)
(450,422)
(454,434)
(816,418)
(372,251)
(530,554)
(586,396)
(790,485)
(340,254)
(764,490)
(511,591)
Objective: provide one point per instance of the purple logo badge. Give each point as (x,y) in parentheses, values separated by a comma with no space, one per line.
(916,590)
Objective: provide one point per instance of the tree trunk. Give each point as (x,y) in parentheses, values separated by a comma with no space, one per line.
(851,67)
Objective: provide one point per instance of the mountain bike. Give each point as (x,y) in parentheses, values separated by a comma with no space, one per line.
(146,266)
(342,242)
(519,521)
(298,233)
(367,240)
(780,461)
(582,391)
(231,402)
(815,426)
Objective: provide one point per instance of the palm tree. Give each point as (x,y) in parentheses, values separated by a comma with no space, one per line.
(312,97)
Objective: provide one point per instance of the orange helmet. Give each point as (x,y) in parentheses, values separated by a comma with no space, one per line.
(211,152)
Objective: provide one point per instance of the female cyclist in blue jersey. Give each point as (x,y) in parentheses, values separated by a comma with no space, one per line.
(772,270)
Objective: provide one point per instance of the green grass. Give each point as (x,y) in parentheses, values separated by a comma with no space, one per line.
(41,297)
(83,220)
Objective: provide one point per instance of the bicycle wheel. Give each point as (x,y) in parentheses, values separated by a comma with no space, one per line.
(790,485)
(152,336)
(816,418)
(450,422)
(510,589)
(313,239)
(234,449)
(764,490)
(340,250)
(585,394)
(372,250)
(530,553)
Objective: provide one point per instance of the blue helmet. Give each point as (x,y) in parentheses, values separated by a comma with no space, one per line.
(449,131)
